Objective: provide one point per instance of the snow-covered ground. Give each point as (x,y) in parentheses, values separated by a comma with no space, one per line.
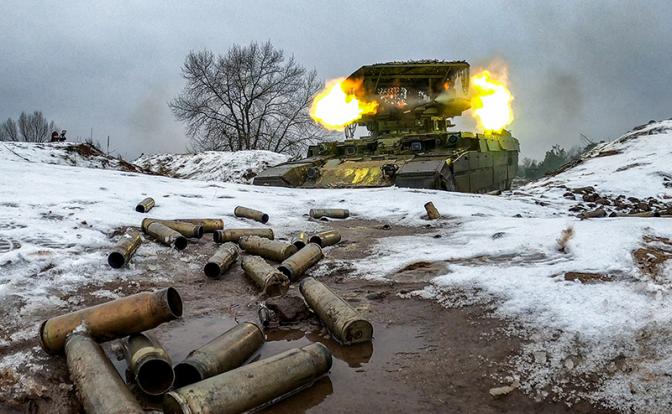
(235,167)
(62,153)
(614,332)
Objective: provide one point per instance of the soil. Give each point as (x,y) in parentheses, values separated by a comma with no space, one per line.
(424,358)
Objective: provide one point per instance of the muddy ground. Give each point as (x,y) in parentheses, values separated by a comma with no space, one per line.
(424,358)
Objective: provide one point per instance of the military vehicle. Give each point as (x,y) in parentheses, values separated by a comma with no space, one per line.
(411,143)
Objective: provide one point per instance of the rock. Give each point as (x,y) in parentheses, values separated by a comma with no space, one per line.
(643,206)
(498,235)
(569,195)
(593,214)
(586,277)
(589,198)
(583,190)
(603,201)
(288,308)
(502,391)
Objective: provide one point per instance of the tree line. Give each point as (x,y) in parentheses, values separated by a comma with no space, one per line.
(29,127)
(554,159)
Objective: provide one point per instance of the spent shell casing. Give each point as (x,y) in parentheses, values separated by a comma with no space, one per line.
(222,260)
(251,214)
(262,382)
(297,264)
(326,238)
(345,324)
(166,235)
(269,249)
(233,235)
(272,281)
(125,249)
(184,228)
(149,363)
(224,353)
(145,205)
(300,240)
(114,319)
(432,212)
(339,213)
(99,386)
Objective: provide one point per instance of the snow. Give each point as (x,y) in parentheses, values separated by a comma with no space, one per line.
(498,251)
(236,167)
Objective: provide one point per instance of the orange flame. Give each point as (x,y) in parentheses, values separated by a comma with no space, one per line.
(337,105)
(491,100)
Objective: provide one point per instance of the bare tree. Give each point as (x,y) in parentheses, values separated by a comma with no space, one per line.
(9,131)
(35,127)
(252,97)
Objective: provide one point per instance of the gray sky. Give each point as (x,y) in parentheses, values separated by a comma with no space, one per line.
(596,67)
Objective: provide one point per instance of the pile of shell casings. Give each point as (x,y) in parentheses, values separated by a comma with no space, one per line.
(213,377)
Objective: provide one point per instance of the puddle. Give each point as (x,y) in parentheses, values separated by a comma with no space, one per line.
(355,369)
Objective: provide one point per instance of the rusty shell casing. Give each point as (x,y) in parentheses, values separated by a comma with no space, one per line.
(252,385)
(300,240)
(432,212)
(346,325)
(297,264)
(339,213)
(210,225)
(150,364)
(272,281)
(233,235)
(269,249)
(114,319)
(125,249)
(145,205)
(184,228)
(326,238)
(100,388)
(224,353)
(166,235)
(222,260)
(251,214)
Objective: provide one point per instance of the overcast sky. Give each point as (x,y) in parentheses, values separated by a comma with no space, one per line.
(592,67)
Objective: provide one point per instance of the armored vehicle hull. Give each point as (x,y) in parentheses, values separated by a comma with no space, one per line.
(458,161)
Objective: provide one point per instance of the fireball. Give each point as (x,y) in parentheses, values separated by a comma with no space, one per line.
(491,101)
(337,105)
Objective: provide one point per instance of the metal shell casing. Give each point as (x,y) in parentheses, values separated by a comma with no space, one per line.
(326,238)
(300,240)
(100,388)
(432,212)
(184,228)
(224,353)
(114,319)
(251,214)
(233,235)
(221,261)
(346,325)
(269,249)
(145,205)
(339,213)
(252,385)
(150,364)
(166,235)
(272,281)
(124,249)
(210,225)
(297,264)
